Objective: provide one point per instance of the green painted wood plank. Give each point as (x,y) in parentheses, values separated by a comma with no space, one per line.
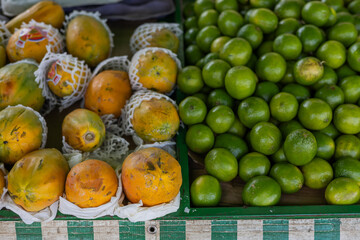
(328,229)
(80,230)
(174,230)
(131,231)
(226,230)
(28,231)
(277,229)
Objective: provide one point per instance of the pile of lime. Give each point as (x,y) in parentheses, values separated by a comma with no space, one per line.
(272,97)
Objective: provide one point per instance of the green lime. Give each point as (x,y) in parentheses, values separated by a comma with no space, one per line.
(347,167)
(288,25)
(289,177)
(316,13)
(188,10)
(289,8)
(331,94)
(201,96)
(345,71)
(261,191)
(288,45)
(214,73)
(287,127)
(333,53)
(192,110)
(330,131)
(262,3)
(200,63)
(190,36)
(189,80)
(315,114)
(219,97)
(266,90)
(318,173)
(252,62)
(191,22)
(205,191)
(354,6)
(325,146)
(344,32)
(265,138)
(206,36)
(218,43)
(265,47)
(289,76)
(240,82)
(332,18)
(222,5)
(253,110)
(193,54)
(342,191)
(236,145)
(279,156)
(207,18)
(347,118)
(209,57)
(199,138)
(252,34)
(300,147)
(347,146)
(222,164)
(236,51)
(351,87)
(271,67)
(220,118)
(311,37)
(252,165)
(308,71)
(353,56)
(345,17)
(237,128)
(300,92)
(284,107)
(357,22)
(335,4)
(264,18)
(201,6)
(229,22)
(329,77)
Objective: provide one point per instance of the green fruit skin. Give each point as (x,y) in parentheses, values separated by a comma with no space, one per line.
(288,45)
(240,82)
(237,128)
(353,56)
(330,131)
(271,67)
(289,9)
(342,191)
(264,18)
(220,119)
(284,107)
(252,34)
(311,37)
(315,114)
(288,25)
(265,138)
(287,127)
(227,24)
(219,97)
(300,147)
(222,164)
(193,54)
(252,111)
(236,51)
(204,139)
(192,110)
(213,75)
(347,146)
(308,71)
(344,32)
(316,13)
(206,36)
(236,145)
(205,198)
(317,173)
(325,146)
(333,53)
(266,90)
(208,18)
(329,77)
(279,156)
(253,164)
(345,71)
(261,191)
(347,167)
(289,177)
(331,94)
(190,80)
(351,87)
(300,92)
(347,118)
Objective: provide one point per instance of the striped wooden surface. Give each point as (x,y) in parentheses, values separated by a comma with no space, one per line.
(279,229)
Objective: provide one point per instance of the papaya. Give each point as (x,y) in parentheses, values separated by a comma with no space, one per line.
(157,71)
(18,86)
(2,183)
(151,175)
(155,120)
(83,130)
(38,179)
(108,92)
(91,183)
(88,39)
(2,56)
(47,12)
(20,133)
(164,38)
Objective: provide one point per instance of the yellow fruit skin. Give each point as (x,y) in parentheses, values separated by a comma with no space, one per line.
(2,183)
(47,12)
(38,179)
(157,71)
(87,39)
(83,130)
(164,38)
(156,120)
(2,56)
(20,133)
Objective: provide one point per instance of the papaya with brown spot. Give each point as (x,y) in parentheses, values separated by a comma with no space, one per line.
(20,133)
(164,38)
(157,71)
(38,179)
(155,120)
(91,183)
(108,92)
(83,130)
(151,175)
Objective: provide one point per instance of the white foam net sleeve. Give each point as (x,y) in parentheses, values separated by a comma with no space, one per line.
(120,63)
(56,40)
(95,15)
(2,197)
(142,34)
(5,34)
(80,74)
(133,69)
(41,119)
